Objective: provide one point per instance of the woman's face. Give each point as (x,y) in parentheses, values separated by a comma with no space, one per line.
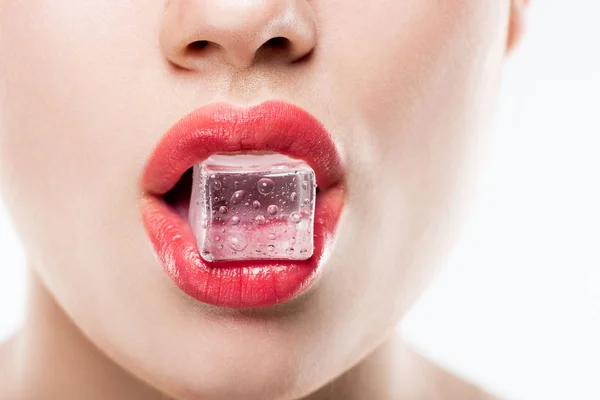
(87,90)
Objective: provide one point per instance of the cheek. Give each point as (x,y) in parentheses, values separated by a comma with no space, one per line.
(415,81)
(71,71)
(82,102)
(409,54)
(71,143)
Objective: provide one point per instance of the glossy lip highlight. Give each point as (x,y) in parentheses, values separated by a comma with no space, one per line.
(223,128)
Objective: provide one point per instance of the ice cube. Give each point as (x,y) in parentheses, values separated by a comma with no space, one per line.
(253,207)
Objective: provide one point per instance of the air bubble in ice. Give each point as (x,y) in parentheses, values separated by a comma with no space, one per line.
(295,217)
(237,197)
(265,186)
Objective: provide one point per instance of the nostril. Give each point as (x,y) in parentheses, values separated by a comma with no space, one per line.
(278,42)
(278,47)
(200,49)
(197,45)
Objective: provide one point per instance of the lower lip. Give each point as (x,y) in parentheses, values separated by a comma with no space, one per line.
(236,284)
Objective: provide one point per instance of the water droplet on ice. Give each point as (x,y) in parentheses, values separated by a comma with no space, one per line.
(306,201)
(237,197)
(293,241)
(218,238)
(303,251)
(260,220)
(265,186)
(295,217)
(294,196)
(290,251)
(305,185)
(236,243)
(205,224)
(217,185)
(235,220)
(256,204)
(271,247)
(223,210)
(272,236)
(273,209)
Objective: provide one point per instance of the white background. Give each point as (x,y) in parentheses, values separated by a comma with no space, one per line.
(517,308)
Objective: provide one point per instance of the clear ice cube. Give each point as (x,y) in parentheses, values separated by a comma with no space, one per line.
(253,207)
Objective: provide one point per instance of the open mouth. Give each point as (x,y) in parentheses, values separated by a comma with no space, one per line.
(178,198)
(166,184)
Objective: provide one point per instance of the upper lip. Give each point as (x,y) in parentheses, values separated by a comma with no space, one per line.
(221,128)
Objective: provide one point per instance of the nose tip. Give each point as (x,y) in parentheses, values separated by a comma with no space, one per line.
(237,32)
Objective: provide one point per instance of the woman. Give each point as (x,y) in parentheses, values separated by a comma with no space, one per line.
(106,104)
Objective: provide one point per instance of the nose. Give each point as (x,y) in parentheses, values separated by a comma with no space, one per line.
(237,32)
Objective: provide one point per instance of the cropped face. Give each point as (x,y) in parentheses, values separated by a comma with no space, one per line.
(384,99)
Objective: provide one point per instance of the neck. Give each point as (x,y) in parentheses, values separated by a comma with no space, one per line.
(51,358)
(395,371)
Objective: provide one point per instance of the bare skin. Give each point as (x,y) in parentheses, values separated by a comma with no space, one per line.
(50,358)
(86,91)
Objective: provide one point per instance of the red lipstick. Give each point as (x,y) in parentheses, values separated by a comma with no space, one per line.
(223,128)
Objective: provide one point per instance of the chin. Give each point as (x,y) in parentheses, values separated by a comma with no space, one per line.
(240,366)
